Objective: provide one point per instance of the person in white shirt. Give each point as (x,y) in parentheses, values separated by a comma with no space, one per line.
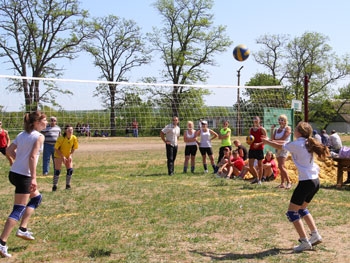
(335,142)
(170,135)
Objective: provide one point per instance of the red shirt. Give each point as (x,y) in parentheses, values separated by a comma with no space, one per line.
(273,166)
(257,138)
(238,163)
(3,140)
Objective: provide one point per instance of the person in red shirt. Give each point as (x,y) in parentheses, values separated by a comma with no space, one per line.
(5,142)
(237,163)
(256,150)
(270,170)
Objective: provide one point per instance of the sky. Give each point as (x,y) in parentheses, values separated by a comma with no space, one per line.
(245,20)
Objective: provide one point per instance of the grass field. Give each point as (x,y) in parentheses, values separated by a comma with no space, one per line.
(124,208)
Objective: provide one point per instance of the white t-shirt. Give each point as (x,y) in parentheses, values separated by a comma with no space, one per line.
(205,139)
(171,133)
(25,142)
(304,161)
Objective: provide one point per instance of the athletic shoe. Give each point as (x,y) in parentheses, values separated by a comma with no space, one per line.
(68,186)
(304,245)
(315,239)
(54,188)
(254,181)
(259,182)
(289,186)
(24,235)
(3,252)
(206,171)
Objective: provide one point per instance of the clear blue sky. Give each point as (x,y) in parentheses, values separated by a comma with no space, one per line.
(245,21)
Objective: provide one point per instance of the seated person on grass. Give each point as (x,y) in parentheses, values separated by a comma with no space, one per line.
(270,170)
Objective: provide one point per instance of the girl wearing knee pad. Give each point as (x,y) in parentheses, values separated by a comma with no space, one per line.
(25,151)
(64,149)
(302,150)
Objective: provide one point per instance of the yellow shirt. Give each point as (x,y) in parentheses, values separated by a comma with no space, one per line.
(66,145)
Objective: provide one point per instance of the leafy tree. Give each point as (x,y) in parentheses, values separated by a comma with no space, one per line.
(35,34)
(187,43)
(117,47)
(289,60)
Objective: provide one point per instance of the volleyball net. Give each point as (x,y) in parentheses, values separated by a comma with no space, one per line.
(111,107)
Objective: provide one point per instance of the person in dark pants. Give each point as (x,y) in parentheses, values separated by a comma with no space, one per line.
(170,135)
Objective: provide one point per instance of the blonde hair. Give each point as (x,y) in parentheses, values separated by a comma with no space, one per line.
(284,116)
(312,145)
(190,122)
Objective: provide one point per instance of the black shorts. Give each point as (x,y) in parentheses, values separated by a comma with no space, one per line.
(206,150)
(3,150)
(191,150)
(256,154)
(305,191)
(21,182)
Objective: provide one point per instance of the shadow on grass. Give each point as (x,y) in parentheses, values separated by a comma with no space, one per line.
(334,187)
(233,256)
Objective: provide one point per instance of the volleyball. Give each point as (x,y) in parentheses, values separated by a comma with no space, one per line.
(241,52)
(249,139)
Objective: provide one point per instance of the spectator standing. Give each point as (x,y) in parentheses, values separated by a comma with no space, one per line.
(302,150)
(25,150)
(256,150)
(206,135)
(4,143)
(51,133)
(190,138)
(324,138)
(170,135)
(335,142)
(65,146)
(282,134)
(135,128)
(225,137)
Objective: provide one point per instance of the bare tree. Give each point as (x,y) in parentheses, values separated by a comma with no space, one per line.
(36,34)
(117,47)
(187,43)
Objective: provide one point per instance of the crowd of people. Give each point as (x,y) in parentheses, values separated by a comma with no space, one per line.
(231,163)
(24,151)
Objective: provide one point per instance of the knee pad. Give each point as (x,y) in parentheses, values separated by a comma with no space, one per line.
(303,212)
(35,201)
(70,171)
(17,212)
(57,172)
(293,216)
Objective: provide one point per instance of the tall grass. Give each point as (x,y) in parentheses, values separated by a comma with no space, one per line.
(124,208)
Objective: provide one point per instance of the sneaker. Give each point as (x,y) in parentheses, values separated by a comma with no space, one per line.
(289,186)
(3,252)
(304,245)
(24,235)
(254,181)
(54,188)
(315,239)
(206,171)
(68,186)
(259,182)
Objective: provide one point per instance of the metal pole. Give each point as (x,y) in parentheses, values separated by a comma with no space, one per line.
(238,125)
(306,94)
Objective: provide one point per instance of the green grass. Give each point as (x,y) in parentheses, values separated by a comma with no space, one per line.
(124,208)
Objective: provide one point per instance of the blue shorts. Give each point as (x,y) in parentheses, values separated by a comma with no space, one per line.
(21,182)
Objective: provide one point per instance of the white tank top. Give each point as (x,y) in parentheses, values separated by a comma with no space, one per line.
(205,139)
(25,142)
(190,136)
(279,135)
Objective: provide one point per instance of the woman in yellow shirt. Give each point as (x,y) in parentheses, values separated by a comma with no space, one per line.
(64,149)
